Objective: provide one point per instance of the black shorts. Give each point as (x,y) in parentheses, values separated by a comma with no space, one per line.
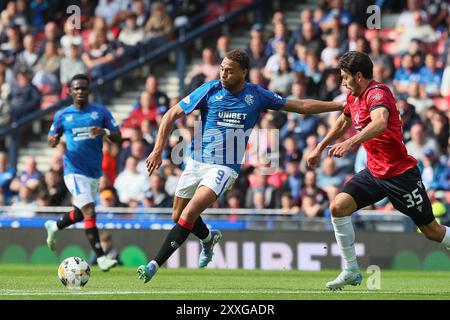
(405,191)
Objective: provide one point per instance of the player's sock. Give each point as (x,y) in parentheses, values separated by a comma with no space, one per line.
(90,228)
(69,218)
(446,240)
(345,238)
(174,240)
(201,231)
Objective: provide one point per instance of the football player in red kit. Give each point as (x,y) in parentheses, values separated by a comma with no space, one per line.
(390,171)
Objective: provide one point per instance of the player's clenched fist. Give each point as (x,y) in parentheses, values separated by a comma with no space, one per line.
(313,157)
(153,162)
(53,140)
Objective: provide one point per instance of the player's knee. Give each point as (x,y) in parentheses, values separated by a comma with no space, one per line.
(432,234)
(175,217)
(88,211)
(338,209)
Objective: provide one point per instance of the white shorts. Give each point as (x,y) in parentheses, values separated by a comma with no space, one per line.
(82,188)
(216,177)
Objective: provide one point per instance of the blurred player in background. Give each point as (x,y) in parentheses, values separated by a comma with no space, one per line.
(227,105)
(390,171)
(84,125)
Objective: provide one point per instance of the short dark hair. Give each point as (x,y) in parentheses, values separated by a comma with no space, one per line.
(354,62)
(79,76)
(239,56)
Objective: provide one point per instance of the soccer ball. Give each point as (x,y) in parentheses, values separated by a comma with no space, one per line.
(74,272)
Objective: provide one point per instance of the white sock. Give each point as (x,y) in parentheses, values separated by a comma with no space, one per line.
(154,263)
(208,237)
(345,238)
(446,240)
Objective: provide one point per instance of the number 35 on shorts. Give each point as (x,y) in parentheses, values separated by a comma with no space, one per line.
(413,199)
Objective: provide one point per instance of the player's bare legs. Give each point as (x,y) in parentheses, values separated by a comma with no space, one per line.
(437,232)
(341,209)
(91,230)
(208,238)
(202,199)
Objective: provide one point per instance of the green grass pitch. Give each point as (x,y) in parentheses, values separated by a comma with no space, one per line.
(41,282)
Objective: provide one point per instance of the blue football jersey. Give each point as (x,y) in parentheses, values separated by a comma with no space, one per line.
(227,120)
(84,153)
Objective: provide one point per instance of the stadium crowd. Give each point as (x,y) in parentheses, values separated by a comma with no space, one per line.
(40,54)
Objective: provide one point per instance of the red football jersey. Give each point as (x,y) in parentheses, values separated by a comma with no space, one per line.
(386,153)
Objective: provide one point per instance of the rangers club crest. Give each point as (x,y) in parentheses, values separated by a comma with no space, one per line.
(249,99)
(94,115)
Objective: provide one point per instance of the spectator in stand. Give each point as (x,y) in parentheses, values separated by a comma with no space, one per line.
(288,204)
(294,181)
(406,75)
(30,177)
(71,65)
(159,23)
(27,199)
(310,207)
(257,77)
(257,53)
(157,196)
(437,126)
(28,58)
(7,174)
(310,189)
(71,37)
(313,73)
(152,87)
(222,47)
(109,10)
(406,19)
(125,152)
(131,34)
(330,89)
(4,105)
(378,57)
(56,189)
(311,38)
(354,32)
(445,85)
(419,30)
(430,77)
(131,184)
(47,69)
(13,46)
(147,110)
(140,10)
(306,16)
(419,142)
(380,74)
(208,69)
(336,8)
(328,175)
(431,169)
(281,34)
(171,177)
(51,34)
(24,97)
(282,80)
(273,63)
(108,199)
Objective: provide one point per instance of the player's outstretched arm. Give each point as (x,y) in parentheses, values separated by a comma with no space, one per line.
(336,131)
(310,106)
(379,121)
(53,140)
(154,159)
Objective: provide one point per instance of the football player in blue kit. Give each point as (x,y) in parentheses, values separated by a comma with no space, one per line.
(84,124)
(227,105)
